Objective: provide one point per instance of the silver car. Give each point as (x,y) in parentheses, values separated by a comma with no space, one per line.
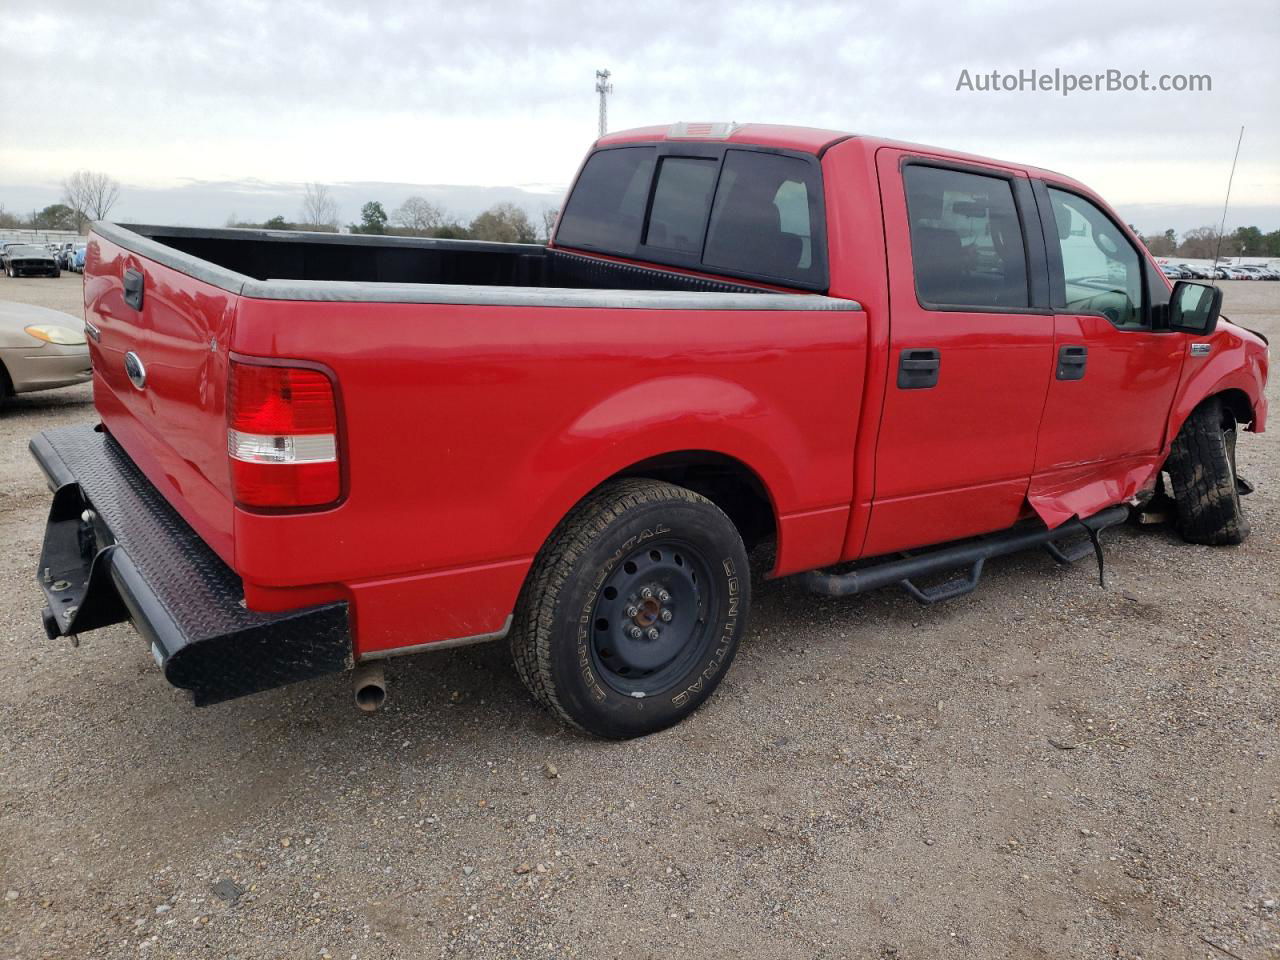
(40,349)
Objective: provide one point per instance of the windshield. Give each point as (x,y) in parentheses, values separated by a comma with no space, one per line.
(27,248)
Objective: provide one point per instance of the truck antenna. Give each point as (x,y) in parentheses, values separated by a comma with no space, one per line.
(1225,203)
(604,88)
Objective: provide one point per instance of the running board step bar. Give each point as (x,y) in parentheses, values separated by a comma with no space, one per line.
(971,554)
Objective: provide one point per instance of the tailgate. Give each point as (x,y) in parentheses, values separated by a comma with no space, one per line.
(159,340)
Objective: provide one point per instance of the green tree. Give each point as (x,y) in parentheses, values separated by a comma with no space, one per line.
(450,230)
(56,216)
(504,223)
(1271,244)
(278,223)
(373,219)
(1246,241)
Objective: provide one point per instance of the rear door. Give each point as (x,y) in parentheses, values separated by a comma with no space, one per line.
(1114,375)
(971,341)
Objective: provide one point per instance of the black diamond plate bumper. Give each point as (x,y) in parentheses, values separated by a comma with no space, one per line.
(115,550)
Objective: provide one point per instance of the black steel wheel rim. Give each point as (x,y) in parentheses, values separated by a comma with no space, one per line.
(652,619)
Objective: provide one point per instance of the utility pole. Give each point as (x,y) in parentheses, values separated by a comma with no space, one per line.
(604,88)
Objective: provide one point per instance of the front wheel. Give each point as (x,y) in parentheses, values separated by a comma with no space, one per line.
(633,610)
(1202,466)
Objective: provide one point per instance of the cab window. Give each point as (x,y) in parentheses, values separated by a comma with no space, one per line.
(606,209)
(680,202)
(966,242)
(1102,272)
(763,217)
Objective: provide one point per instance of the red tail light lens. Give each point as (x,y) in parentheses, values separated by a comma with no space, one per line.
(282,436)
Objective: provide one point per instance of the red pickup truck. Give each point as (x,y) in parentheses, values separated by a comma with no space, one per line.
(318,451)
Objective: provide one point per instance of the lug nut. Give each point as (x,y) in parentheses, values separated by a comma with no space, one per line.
(664,596)
(653,633)
(666,616)
(635,633)
(633,611)
(646,592)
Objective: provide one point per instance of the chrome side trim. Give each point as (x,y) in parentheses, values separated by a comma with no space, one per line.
(1201,349)
(342,291)
(441,644)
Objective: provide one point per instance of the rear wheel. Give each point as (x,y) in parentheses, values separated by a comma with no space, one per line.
(633,610)
(1202,466)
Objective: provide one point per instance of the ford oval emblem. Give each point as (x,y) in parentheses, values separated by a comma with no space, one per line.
(134,370)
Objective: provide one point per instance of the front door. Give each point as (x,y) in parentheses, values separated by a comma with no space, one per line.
(1114,376)
(971,344)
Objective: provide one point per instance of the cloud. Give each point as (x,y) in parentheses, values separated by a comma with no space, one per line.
(492,94)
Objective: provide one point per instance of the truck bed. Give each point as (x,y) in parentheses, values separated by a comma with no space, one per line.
(273,255)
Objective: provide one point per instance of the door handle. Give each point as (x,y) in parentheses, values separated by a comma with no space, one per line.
(1071,362)
(918,369)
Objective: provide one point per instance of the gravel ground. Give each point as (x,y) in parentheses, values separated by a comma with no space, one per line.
(1041,769)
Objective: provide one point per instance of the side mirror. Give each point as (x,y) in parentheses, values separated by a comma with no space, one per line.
(1194,307)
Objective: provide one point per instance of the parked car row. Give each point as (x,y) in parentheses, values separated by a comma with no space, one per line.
(1249,271)
(21,258)
(1188,271)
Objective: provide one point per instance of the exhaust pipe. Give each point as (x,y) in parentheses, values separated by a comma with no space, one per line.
(369,685)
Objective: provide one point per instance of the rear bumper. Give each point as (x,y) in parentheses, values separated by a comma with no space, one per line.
(115,550)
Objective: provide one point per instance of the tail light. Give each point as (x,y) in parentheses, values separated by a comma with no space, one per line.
(282,436)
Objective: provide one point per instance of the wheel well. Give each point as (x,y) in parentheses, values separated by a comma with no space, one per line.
(1236,402)
(728,483)
(6,384)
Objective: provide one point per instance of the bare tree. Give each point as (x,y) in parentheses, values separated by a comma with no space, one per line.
(319,209)
(549,217)
(1202,243)
(418,215)
(90,195)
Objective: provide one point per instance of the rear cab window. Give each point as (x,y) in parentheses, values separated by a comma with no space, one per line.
(606,209)
(681,199)
(751,213)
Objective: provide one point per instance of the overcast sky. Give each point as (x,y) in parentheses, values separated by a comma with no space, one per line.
(205,109)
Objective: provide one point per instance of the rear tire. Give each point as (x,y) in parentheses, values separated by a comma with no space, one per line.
(633,610)
(1202,466)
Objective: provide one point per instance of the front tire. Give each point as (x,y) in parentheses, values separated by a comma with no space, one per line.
(633,611)
(1202,466)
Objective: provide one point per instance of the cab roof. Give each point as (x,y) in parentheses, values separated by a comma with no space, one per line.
(802,139)
(813,140)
